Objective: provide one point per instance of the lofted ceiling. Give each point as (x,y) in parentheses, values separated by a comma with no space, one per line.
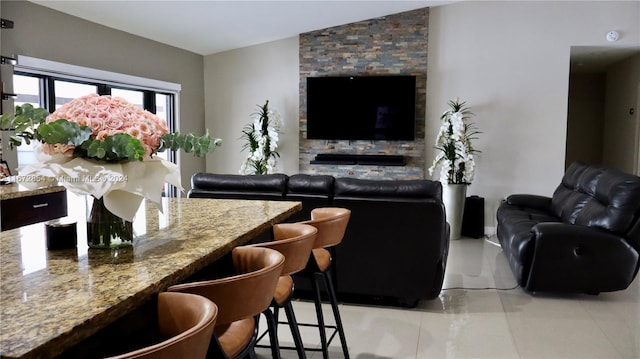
(211,26)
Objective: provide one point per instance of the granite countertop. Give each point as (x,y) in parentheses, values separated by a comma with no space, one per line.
(51,300)
(15,190)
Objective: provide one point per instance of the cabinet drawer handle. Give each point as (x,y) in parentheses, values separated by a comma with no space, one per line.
(40,205)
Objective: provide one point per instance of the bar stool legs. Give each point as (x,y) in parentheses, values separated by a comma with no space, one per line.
(325,277)
(336,312)
(317,300)
(273,333)
(293,327)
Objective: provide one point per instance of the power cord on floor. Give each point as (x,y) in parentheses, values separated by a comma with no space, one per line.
(487,238)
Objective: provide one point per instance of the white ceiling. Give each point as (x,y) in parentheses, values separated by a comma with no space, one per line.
(210,26)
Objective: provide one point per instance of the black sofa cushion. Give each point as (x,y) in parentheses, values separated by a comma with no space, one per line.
(597,197)
(310,185)
(405,190)
(261,187)
(312,190)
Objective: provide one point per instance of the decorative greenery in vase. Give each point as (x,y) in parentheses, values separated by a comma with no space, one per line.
(103,147)
(262,141)
(105,229)
(455,156)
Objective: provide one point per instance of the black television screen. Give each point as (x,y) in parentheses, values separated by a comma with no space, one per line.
(361,108)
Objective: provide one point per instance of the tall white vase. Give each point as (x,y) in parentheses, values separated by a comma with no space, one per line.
(453,196)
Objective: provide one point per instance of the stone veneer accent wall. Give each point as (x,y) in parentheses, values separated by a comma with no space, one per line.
(394,44)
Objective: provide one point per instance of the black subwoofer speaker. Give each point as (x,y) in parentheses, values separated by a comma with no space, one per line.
(473,217)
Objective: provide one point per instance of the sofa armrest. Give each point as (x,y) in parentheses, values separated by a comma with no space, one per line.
(577,258)
(569,233)
(542,203)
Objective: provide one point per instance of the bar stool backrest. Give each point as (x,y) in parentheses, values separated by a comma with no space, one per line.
(247,293)
(187,320)
(331,223)
(294,241)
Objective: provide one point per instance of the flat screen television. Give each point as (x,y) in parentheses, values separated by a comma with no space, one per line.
(361,108)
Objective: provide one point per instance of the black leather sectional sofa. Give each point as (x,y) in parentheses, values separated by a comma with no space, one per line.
(584,239)
(396,245)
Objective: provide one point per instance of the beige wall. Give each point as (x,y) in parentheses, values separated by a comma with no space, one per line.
(620,130)
(43,33)
(510,62)
(236,82)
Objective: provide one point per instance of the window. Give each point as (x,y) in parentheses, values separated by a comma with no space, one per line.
(28,90)
(135,97)
(49,84)
(65,91)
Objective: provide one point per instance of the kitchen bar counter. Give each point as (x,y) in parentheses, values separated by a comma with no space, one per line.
(52,300)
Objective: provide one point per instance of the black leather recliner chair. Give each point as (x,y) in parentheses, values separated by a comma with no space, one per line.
(584,239)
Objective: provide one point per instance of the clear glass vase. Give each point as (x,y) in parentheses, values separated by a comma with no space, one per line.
(105,229)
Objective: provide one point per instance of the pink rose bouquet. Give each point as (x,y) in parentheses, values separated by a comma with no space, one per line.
(107,116)
(102,128)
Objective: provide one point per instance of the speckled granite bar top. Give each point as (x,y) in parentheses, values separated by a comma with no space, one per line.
(14,190)
(51,300)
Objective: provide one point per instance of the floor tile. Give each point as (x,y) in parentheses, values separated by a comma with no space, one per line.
(465,335)
(482,313)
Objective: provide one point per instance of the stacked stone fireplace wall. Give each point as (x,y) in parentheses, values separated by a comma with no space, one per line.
(389,45)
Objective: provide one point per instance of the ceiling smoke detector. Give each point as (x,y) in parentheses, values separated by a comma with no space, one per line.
(612,36)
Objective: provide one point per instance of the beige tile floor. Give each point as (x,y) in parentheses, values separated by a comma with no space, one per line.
(466,322)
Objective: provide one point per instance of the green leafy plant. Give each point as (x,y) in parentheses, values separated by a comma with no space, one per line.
(198,146)
(24,122)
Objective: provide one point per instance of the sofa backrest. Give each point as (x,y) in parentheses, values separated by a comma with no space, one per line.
(401,221)
(597,196)
(259,187)
(416,190)
(312,190)
(304,185)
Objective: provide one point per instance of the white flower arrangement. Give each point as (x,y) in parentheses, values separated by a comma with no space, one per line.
(455,158)
(262,141)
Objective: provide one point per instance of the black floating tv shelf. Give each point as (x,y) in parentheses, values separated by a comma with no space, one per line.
(362,160)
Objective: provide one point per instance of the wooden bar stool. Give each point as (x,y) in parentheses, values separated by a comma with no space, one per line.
(187,320)
(240,298)
(294,241)
(331,223)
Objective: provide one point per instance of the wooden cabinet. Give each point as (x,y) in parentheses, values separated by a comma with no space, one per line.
(29,209)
